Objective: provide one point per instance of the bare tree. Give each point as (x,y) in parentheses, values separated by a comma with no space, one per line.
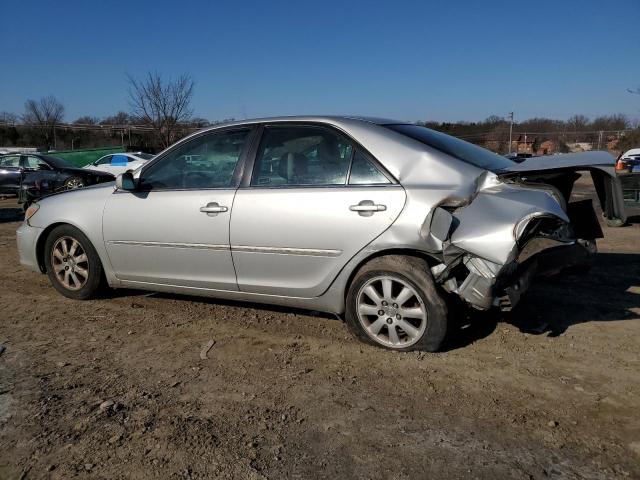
(86,120)
(8,118)
(45,114)
(120,118)
(162,104)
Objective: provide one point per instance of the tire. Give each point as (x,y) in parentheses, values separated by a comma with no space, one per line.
(614,222)
(404,272)
(82,263)
(73,182)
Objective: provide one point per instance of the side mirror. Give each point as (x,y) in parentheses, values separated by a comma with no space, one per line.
(125,181)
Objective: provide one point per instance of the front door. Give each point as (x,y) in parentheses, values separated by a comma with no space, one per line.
(314,201)
(174,228)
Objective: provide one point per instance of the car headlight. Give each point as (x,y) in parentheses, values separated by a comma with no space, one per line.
(31,211)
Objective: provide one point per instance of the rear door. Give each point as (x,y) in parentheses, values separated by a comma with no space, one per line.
(313,201)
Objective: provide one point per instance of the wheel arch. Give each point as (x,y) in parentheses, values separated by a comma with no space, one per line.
(42,240)
(407,252)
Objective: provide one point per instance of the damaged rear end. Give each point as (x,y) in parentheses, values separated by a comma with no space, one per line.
(520,224)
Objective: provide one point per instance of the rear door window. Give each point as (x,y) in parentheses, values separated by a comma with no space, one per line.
(36,163)
(302,156)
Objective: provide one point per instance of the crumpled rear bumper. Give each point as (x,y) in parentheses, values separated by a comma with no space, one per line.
(516,278)
(493,248)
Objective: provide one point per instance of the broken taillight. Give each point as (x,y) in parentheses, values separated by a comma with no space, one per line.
(623,165)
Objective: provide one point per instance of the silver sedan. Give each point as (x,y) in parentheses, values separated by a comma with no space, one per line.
(381,221)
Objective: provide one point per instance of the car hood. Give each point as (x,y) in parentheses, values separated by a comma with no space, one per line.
(84,171)
(104,188)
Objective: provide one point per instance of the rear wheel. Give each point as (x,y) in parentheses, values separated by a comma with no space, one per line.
(393,303)
(73,182)
(72,264)
(615,222)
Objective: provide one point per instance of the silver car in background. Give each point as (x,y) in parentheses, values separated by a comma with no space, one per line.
(377,220)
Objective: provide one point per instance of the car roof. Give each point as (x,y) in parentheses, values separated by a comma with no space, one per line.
(633,151)
(127,154)
(311,118)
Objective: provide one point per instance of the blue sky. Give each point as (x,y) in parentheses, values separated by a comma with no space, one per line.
(423,60)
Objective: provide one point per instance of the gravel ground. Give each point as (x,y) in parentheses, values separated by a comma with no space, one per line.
(117,388)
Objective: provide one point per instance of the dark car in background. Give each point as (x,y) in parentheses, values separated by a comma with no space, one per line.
(628,170)
(33,175)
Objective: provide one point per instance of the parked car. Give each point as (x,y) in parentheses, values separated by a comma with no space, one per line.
(378,220)
(628,169)
(120,162)
(32,175)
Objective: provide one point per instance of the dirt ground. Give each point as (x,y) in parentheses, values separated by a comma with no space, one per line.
(116,388)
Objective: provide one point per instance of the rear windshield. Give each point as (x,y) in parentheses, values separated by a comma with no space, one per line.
(465,151)
(144,156)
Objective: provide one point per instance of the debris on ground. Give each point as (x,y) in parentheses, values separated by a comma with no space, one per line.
(205,349)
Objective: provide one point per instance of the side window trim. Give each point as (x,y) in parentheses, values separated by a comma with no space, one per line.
(250,163)
(235,178)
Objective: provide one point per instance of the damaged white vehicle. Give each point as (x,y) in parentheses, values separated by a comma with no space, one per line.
(376,220)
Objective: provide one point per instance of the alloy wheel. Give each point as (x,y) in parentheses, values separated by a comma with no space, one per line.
(74,183)
(70,263)
(391,311)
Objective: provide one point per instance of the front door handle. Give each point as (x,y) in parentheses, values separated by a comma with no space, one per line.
(366,208)
(213,208)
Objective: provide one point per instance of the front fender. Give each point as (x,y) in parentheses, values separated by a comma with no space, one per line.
(83,209)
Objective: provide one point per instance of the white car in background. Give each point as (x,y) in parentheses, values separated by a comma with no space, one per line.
(116,163)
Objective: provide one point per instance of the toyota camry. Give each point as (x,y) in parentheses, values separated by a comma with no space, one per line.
(378,221)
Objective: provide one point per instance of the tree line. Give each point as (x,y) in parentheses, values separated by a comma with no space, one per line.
(160,113)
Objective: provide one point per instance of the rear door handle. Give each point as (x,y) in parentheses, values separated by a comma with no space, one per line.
(366,208)
(213,208)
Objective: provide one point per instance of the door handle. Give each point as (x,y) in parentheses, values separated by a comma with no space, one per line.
(213,208)
(366,208)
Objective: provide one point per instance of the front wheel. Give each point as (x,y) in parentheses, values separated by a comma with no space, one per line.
(393,303)
(72,264)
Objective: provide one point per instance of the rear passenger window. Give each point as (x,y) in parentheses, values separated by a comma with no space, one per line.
(301,156)
(363,172)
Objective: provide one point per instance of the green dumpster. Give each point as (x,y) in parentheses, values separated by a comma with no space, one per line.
(85,156)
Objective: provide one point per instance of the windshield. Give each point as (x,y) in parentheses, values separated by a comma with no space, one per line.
(465,151)
(57,162)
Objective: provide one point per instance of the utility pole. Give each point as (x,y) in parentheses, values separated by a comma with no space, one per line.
(510,130)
